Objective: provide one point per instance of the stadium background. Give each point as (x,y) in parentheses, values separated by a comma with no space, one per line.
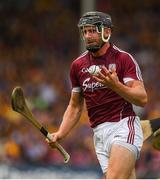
(38,41)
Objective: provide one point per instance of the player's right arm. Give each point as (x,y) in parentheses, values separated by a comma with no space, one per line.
(71,116)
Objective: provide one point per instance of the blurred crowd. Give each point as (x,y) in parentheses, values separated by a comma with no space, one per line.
(38,41)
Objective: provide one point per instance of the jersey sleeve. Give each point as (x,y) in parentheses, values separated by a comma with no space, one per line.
(74,78)
(131,69)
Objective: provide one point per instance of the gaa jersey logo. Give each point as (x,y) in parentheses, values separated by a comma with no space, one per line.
(90,85)
(111,67)
(87,69)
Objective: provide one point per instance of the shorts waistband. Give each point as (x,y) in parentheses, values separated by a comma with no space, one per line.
(102,125)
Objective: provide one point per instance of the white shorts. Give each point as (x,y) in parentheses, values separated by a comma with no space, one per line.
(127,132)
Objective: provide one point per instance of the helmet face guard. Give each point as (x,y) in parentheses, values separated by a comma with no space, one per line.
(100,20)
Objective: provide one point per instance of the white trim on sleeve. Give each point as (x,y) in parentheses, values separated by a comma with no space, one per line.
(76,89)
(127,79)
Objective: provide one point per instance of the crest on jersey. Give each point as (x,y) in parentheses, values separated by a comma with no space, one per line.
(111,66)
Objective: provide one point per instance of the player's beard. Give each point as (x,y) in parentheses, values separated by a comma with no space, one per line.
(95,48)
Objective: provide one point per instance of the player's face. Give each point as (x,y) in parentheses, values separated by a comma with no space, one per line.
(92,37)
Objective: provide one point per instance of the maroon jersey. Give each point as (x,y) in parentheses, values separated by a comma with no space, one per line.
(103,104)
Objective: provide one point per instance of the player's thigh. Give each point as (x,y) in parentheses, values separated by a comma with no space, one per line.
(121,162)
(132,176)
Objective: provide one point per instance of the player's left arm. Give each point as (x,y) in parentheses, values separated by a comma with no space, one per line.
(133,91)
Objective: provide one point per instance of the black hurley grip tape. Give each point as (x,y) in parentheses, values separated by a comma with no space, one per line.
(44,131)
(155,124)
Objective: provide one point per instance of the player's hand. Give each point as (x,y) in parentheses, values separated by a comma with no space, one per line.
(156,140)
(54,138)
(107,77)
(156,133)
